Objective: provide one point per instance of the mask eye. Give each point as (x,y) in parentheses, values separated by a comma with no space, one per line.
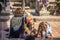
(45,25)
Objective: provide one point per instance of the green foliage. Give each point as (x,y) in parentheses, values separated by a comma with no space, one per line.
(58,3)
(17,0)
(4,14)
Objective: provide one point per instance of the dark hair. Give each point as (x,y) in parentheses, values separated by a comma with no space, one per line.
(30,38)
(0,8)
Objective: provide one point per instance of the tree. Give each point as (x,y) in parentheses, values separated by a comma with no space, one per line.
(58,6)
(58,3)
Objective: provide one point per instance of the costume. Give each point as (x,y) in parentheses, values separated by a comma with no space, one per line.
(48,30)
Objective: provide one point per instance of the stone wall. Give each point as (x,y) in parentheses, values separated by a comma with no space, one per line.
(52,0)
(4,24)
